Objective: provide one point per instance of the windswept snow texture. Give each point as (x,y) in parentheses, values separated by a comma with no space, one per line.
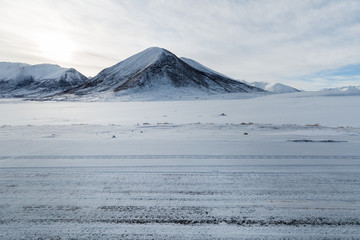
(23,80)
(158,72)
(274,87)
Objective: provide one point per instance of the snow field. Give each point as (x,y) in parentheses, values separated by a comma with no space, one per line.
(272,167)
(297,108)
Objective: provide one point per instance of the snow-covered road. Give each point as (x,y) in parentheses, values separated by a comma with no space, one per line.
(249,199)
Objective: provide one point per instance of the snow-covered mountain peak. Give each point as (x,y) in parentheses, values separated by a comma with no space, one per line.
(149,55)
(153,51)
(138,61)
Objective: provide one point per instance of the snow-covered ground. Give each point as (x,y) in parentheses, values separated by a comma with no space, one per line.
(303,108)
(270,167)
(251,201)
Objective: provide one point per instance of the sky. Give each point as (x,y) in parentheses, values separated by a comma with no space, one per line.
(306,44)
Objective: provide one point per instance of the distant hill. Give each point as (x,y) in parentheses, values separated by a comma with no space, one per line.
(343,89)
(24,80)
(274,87)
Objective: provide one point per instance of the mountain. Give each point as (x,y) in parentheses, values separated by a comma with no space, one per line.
(274,87)
(24,80)
(158,72)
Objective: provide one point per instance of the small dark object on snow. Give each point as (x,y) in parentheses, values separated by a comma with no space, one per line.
(223,114)
(113,136)
(246,134)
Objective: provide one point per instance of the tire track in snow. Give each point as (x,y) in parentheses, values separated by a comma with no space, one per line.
(305,157)
(155,203)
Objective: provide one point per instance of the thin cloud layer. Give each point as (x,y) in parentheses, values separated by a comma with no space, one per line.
(280,41)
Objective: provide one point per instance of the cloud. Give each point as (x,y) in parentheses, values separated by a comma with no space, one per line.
(260,40)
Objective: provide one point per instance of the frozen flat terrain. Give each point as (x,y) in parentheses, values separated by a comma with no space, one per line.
(246,200)
(281,166)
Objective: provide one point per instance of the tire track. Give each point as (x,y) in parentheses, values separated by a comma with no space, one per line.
(120,157)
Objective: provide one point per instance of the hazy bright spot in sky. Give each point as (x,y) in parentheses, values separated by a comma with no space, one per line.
(55,47)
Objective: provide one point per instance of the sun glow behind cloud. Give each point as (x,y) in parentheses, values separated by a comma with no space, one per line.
(55,47)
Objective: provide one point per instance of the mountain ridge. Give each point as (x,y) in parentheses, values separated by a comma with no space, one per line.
(155,72)
(158,70)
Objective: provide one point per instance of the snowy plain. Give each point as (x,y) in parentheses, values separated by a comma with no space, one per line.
(267,167)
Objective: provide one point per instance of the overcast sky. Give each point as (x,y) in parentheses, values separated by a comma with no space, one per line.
(306,44)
